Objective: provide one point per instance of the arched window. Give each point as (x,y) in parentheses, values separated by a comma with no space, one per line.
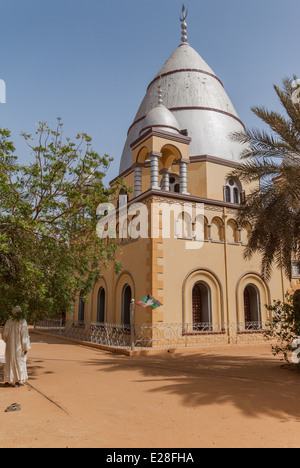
(202,320)
(123,198)
(174,183)
(81,310)
(123,230)
(217,230)
(233,191)
(184,226)
(232,232)
(252,309)
(101,305)
(227,194)
(200,226)
(246,233)
(126,301)
(134,228)
(236,196)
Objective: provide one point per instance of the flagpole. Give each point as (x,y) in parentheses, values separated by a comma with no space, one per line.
(132,322)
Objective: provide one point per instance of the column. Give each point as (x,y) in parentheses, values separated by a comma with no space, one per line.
(165,185)
(183,177)
(240,234)
(137,180)
(154,170)
(209,226)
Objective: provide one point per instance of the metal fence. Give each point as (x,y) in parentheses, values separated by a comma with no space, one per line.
(159,335)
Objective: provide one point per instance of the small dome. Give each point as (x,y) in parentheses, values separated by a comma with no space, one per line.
(161,118)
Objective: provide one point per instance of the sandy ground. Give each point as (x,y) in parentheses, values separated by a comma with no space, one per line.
(211,397)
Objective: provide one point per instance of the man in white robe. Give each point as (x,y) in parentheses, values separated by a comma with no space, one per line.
(16,336)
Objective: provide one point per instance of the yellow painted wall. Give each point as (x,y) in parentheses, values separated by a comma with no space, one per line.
(168,270)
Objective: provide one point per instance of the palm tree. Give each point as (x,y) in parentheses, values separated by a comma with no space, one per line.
(271,164)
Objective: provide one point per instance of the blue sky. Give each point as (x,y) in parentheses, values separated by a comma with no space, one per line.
(90,61)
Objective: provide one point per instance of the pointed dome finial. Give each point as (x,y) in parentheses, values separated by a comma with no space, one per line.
(184,25)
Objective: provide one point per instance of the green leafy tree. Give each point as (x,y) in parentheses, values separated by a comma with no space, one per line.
(49,248)
(285,326)
(271,164)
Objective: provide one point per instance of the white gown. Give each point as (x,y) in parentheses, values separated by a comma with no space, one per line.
(16,336)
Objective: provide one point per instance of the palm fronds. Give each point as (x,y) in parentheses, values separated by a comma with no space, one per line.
(271,165)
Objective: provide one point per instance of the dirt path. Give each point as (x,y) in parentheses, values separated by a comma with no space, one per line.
(213,397)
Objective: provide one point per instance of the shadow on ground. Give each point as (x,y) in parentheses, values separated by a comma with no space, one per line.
(255,385)
(249,377)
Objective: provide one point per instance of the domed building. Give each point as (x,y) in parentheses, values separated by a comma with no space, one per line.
(187,250)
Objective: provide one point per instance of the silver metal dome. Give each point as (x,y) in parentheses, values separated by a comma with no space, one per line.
(198,101)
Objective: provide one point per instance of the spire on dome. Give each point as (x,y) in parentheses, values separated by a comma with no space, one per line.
(197,100)
(184,25)
(160,94)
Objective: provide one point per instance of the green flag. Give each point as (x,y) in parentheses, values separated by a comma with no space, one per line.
(149,301)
